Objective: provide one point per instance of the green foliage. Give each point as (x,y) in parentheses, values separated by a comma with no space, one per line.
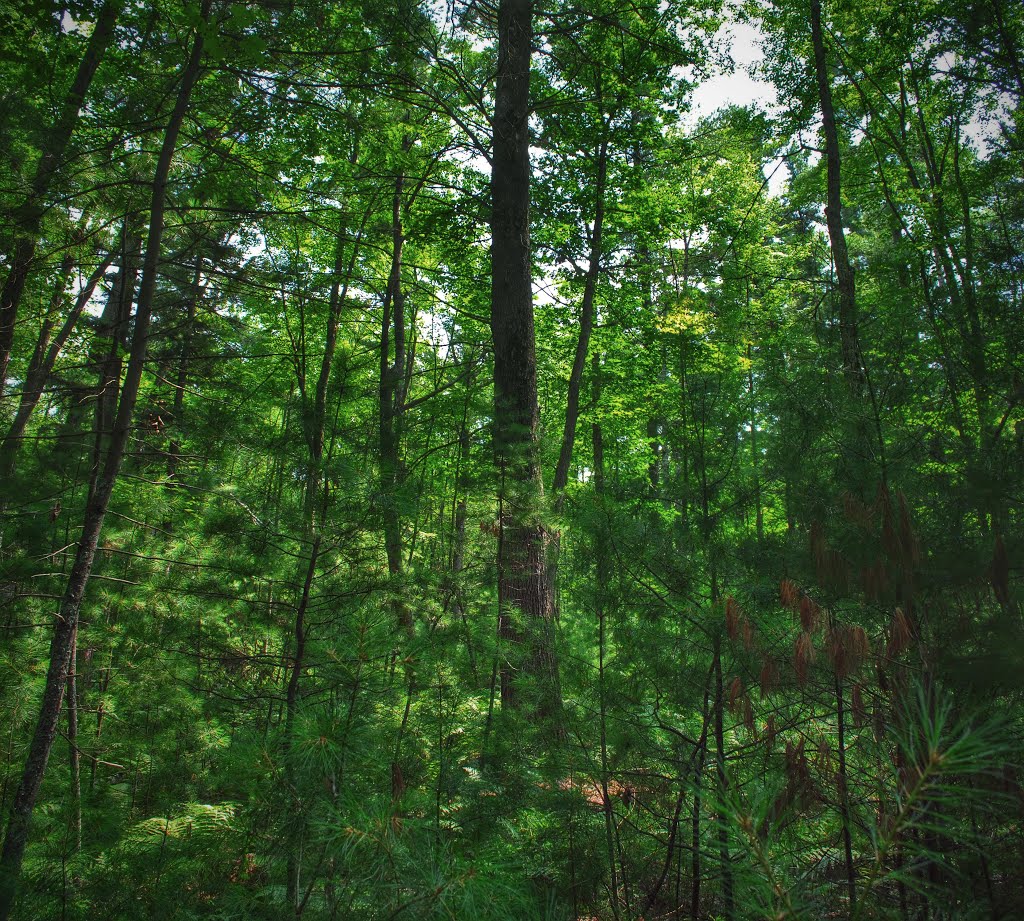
(788,630)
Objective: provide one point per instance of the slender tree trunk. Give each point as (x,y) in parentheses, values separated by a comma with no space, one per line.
(106,348)
(656,427)
(698,783)
(181,378)
(600,591)
(683,461)
(755,457)
(41,368)
(853,361)
(56,300)
(696,765)
(1010,51)
(723,784)
(844,799)
(75,762)
(587,311)
(29,217)
(291,709)
(462,486)
(392,376)
(315,416)
(96,507)
(975,346)
(315,513)
(9,446)
(524,589)
(572,409)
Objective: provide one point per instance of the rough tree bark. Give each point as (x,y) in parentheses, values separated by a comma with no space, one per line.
(524,590)
(101,488)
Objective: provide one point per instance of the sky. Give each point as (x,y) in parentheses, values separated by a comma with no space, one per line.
(738,88)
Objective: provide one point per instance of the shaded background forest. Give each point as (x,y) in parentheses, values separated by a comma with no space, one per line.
(773,665)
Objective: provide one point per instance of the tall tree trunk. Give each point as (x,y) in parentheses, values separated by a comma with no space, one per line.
(108,343)
(74,759)
(1010,51)
(100,492)
(853,361)
(755,458)
(587,311)
(463,483)
(572,407)
(524,589)
(29,216)
(601,592)
(315,511)
(315,416)
(41,367)
(292,695)
(698,781)
(656,427)
(392,376)
(723,784)
(181,378)
(844,799)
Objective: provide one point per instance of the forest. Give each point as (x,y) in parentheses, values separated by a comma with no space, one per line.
(449,471)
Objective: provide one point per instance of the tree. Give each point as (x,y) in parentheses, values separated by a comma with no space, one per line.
(29,213)
(524,590)
(272,376)
(101,489)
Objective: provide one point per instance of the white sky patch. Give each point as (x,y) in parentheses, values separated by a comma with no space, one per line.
(739,88)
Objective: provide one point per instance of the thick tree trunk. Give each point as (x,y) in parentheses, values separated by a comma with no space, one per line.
(29,217)
(853,361)
(524,590)
(102,488)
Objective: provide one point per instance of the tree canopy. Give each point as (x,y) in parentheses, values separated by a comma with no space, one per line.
(445,473)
